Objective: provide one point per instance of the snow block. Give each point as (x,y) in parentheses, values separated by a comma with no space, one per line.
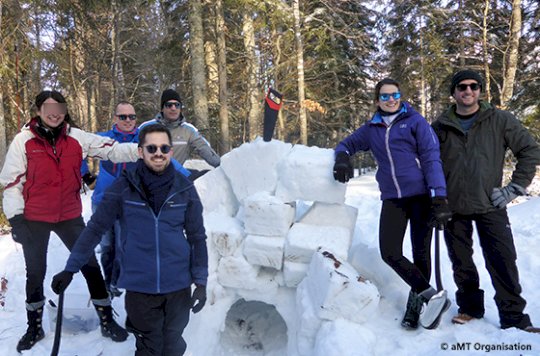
(216,193)
(293,273)
(225,232)
(308,322)
(267,215)
(252,166)
(303,240)
(338,291)
(339,337)
(311,165)
(236,272)
(264,251)
(321,213)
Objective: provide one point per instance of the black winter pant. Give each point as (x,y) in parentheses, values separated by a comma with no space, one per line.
(500,256)
(158,321)
(395,215)
(35,257)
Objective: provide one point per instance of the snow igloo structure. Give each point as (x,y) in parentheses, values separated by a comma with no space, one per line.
(279,234)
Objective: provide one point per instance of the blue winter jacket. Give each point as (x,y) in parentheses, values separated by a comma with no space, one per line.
(407,154)
(109,171)
(158,253)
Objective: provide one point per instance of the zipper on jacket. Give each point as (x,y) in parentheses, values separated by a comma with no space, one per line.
(156,227)
(390,159)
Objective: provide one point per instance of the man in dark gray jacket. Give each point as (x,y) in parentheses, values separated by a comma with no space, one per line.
(474,137)
(186,138)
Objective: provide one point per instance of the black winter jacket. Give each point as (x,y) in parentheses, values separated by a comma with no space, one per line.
(473,161)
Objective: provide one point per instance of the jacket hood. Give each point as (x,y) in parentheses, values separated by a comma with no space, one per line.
(159,118)
(39,130)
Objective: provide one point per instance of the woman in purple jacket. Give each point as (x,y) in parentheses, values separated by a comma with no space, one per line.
(413,189)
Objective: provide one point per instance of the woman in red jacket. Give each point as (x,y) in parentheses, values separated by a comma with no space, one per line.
(42,180)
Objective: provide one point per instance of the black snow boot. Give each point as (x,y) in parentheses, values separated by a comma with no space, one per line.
(35,332)
(109,327)
(412,314)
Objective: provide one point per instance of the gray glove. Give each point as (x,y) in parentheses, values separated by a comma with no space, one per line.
(502,196)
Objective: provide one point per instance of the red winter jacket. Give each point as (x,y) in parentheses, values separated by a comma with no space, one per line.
(42,180)
(53,178)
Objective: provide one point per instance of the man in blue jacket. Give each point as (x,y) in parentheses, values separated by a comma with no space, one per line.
(161,248)
(124,130)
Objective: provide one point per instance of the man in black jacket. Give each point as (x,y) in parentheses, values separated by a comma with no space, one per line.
(474,137)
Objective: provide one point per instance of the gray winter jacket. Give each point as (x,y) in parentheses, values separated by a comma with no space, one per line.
(473,161)
(186,140)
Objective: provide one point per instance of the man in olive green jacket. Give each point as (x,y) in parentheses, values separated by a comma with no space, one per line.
(474,137)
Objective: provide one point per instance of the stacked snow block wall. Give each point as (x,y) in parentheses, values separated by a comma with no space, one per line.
(268,209)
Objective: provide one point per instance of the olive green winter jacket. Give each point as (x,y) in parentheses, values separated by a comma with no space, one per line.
(473,161)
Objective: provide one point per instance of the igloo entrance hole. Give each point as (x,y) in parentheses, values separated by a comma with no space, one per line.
(254,328)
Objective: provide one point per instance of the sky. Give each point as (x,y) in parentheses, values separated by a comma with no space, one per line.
(263,317)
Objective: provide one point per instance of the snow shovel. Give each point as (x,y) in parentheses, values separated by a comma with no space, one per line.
(272,104)
(58,329)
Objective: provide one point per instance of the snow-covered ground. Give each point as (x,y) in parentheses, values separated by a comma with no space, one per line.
(381,335)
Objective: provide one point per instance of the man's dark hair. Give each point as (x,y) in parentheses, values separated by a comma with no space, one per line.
(153,128)
(379,85)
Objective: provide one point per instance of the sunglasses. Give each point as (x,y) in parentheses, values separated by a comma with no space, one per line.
(153,149)
(463,87)
(170,104)
(386,97)
(125,117)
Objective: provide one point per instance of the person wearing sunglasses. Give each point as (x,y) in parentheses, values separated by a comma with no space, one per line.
(186,139)
(413,191)
(474,138)
(162,248)
(124,129)
(41,179)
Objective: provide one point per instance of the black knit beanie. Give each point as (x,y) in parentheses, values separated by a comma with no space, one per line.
(169,94)
(463,75)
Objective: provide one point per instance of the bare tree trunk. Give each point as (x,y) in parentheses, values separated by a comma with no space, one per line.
(225,141)
(300,70)
(3,137)
(118,83)
(38,63)
(462,46)
(210,54)
(254,113)
(277,77)
(485,44)
(423,99)
(198,70)
(511,55)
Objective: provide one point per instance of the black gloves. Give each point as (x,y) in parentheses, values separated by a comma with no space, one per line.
(502,196)
(89,179)
(199,295)
(61,281)
(343,169)
(440,212)
(19,230)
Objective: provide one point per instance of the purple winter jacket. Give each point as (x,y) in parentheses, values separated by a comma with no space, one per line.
(407,154)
